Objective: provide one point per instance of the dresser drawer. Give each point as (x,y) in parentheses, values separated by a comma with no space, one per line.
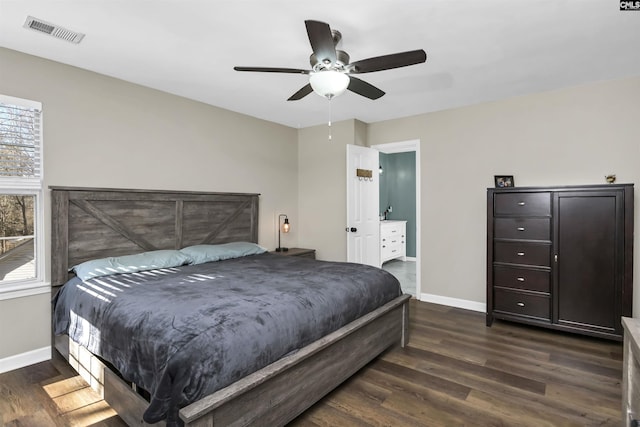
(522,278)
(531,204)
(392,230)
(393,251)
(522,228)
(522,253)
(392,240)
(523,304)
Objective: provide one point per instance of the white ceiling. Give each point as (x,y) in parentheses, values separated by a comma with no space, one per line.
(477,50)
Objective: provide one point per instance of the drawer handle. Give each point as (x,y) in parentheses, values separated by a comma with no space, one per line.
(394,231)
(521,203)
(520,304)
(520,228)
(395,250)
(520,253)
(520,279)
(383,246)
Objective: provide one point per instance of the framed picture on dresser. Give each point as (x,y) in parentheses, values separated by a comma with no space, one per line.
(502,181)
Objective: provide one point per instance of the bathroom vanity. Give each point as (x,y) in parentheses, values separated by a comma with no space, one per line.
(393,240)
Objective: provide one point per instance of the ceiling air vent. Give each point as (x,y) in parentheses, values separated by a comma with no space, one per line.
(53,30)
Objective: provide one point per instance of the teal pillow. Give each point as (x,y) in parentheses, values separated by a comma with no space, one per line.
(200,254)
(152,260)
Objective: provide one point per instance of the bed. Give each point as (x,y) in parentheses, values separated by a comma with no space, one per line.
(91,224)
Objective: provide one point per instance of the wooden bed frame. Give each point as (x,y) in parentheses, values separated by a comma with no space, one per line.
(89,223)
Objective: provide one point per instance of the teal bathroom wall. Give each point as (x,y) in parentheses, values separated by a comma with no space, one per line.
(398,190)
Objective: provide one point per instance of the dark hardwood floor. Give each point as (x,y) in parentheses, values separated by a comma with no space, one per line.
(455,372)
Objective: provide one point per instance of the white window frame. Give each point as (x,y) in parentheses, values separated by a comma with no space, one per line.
(28,186)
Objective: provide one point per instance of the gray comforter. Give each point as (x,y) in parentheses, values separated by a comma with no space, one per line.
(186,332)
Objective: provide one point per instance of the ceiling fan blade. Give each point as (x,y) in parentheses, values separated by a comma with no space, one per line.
(363,88)
(306,90)
(321,41)
(387,62)
(273,70)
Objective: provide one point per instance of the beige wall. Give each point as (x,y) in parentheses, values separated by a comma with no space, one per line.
(571,136)
(103,132)
(322,180)
(25,324)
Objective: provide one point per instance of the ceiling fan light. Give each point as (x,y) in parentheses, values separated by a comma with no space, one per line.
(329,83)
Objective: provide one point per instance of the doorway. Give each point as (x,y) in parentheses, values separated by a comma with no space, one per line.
(409,271)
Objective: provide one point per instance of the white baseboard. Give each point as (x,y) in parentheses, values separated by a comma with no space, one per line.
(25,359)
(455,302)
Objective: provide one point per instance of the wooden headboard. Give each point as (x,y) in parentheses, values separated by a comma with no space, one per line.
(90,223)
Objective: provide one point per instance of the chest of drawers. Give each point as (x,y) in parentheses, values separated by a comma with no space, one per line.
(561,257)
(393,241)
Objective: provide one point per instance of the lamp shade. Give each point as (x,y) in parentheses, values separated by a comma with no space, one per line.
(285,225)
(329,83)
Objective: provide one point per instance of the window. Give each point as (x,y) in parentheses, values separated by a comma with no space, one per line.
(21,245)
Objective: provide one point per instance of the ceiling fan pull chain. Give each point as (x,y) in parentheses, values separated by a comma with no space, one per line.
(329,119)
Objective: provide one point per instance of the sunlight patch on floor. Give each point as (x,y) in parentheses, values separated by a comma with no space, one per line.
(77,402)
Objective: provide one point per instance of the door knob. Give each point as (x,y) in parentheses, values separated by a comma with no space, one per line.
(353,229)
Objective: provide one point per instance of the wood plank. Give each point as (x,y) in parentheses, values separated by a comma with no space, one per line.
(127,403)
(233,216)
(328,416)
(102,193)
(114,224)
(360,401)
(421,400)
(60,237)
(408,377)
(179,224)
(586,400)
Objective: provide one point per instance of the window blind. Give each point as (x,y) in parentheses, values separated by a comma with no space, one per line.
(20,141)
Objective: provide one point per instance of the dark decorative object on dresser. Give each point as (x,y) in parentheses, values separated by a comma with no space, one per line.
(561,257)
(299,252)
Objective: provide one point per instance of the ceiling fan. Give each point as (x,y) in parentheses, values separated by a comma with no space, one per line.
(331,72)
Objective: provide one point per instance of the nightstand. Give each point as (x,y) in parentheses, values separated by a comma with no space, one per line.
(301,252)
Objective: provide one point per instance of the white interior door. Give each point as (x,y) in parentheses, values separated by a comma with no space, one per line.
(363,218)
